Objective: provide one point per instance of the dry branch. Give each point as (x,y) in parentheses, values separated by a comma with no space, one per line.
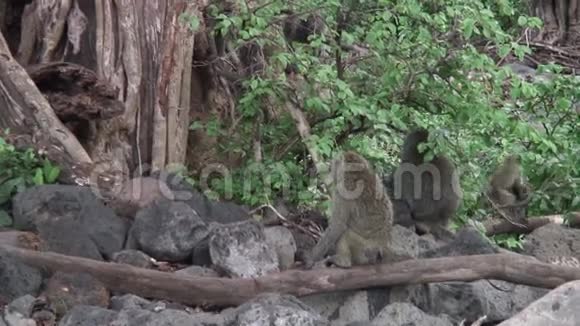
(225,291)
(26,107)
(531,224)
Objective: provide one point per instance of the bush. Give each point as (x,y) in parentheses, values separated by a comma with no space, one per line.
(20,169)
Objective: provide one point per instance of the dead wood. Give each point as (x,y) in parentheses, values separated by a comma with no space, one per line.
(531,224)
(226,292)
(26,110)
(75,92)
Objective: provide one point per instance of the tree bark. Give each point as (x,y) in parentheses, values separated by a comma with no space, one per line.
(26,110)
(561,20)
(142,49)
(226,292)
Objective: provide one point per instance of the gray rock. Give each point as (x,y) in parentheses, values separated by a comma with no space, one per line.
(427,242)
(354,308)
(168,230)
(88,316)
(404,243)
(138,317)
(226,212)
(472,300)
(397,314)
(282,240)
(554,243)
(22,305)
(557,308)
(61,236)
(462,300)
(200,255)
(198,271)
(67,290)
(467,241)
(133,257)
(128,301)
(138,193)
(78,206)
(344,307)
(15,318)
(209,211)
(275,309)
(17,279)
(240,250)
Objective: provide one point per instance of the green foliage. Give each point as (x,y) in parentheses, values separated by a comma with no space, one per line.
(426,64)
(191,21)
(509,241)
(19,170)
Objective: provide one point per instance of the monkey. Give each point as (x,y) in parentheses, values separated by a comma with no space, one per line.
(401,209)
(361,216)
(507,190)
(298,29)
(431,190)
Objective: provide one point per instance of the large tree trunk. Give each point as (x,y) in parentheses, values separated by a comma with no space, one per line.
(24,110)
(561,20)
(142,49)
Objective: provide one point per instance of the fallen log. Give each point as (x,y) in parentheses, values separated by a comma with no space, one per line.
(227,291)
(531,224)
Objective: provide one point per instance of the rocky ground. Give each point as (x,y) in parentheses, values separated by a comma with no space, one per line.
(184,232)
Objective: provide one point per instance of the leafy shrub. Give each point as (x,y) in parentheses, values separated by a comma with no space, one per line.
(20,169)
(431,64)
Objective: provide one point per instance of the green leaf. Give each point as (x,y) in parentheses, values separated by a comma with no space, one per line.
(38,178)
(468,26)
(51,172)
(563,104)
(9,187)
(196,125)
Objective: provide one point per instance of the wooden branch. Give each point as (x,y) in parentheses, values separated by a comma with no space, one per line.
(226,292)
(304,129)
(24,106)
(532,224)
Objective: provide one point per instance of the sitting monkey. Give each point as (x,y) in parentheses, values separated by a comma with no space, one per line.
(508,192)
(429,192)
(362,216)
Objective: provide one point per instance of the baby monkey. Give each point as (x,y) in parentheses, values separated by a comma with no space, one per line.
(362,216)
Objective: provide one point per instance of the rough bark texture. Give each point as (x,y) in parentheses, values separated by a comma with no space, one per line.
(25,110)
(225,291)
(561,20)
(144,52)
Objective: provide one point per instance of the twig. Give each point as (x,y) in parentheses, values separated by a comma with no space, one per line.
(285,220)
(504,215)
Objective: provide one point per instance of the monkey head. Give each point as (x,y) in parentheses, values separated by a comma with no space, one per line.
(513,159)
(352,172)
(299,29)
